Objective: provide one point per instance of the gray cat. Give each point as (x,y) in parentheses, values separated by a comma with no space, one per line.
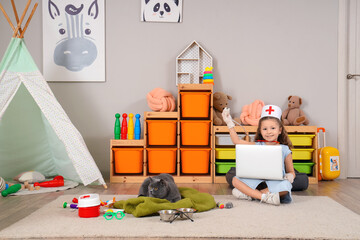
(160,186)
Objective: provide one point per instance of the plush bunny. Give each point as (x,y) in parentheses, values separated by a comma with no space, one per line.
(293,115)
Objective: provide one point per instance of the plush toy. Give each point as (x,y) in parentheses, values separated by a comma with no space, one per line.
(293,115)
(220,101)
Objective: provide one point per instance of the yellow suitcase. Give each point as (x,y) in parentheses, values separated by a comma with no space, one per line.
(329,160)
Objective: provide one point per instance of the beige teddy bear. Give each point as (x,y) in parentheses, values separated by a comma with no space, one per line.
(220,101)
(293,115)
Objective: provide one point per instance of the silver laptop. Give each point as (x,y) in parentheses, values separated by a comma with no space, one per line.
(259,161)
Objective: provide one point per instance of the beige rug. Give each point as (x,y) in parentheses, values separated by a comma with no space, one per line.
(306,217)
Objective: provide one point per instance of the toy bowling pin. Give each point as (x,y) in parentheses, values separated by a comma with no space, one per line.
(131,127)
(124,127)
(117,127)
(137,129)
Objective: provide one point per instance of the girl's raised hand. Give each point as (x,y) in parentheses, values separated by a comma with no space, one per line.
(227,118)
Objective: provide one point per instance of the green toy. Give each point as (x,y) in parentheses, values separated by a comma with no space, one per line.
(117,127)
(12,189)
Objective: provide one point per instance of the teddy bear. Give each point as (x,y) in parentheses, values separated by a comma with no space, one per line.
(293,115)
(220,101)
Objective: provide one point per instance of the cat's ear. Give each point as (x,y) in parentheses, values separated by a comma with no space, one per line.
(151,179)
(162,182)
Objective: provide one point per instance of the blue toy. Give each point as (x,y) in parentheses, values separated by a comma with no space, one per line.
(137,129)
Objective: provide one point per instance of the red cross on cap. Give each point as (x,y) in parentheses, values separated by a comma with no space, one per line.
(269,110)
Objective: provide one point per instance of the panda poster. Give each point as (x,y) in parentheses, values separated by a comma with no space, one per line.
(74,40)
(161,10)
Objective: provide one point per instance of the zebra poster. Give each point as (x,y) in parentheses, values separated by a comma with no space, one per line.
(74,40)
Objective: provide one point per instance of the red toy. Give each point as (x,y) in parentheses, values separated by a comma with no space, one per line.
(124,127)
(58,181)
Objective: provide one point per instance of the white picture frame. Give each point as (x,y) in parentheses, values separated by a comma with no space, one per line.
(161,11)
(74,40)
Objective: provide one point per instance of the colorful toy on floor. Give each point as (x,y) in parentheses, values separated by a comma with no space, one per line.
(160,100)
(226,205)
(110,214)
(329,160)
(293,115)
(137,130)
(131,126)
(58,181)
(208,76)
(124,127)
(89,205)
(12,189)
(70,205)
(117,126)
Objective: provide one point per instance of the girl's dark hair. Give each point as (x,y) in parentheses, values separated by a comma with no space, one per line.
(283,137)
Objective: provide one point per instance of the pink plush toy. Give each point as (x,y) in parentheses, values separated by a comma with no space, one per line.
(251,113)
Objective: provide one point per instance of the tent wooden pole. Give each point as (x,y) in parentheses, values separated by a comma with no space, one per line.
(22,18)
(7,17)
(16,14)
(29,19)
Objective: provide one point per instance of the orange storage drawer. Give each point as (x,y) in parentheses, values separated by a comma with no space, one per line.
(161,160)
(195,132)
(128,160)
(161,132)
(195,104)
(195,160)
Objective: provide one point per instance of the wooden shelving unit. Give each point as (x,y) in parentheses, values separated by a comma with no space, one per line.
(205,177)
(179,176)
(313,177)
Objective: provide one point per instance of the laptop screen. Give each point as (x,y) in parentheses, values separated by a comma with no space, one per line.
(259,161)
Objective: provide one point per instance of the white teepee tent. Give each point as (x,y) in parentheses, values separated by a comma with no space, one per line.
(35,132)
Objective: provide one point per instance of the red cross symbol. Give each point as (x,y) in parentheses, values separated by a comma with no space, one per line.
(270,110)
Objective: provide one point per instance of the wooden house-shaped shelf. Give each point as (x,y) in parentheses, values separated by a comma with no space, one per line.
(191,64)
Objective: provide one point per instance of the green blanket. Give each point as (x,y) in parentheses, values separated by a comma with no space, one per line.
(144,206)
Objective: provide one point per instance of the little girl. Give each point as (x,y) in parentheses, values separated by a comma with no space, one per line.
(270,132)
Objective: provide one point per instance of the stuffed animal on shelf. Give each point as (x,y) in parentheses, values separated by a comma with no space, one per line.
(293,115)
(220,101)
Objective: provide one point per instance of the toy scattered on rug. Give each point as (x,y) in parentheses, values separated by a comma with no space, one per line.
(208,76)
(127,131)
(220,101)
(226,205)
(161,186)
(293,115)
(58,181)
(111,213)
(11,189)
(160,100)
(251,113)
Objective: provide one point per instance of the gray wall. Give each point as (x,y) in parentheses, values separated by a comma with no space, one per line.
(263,49)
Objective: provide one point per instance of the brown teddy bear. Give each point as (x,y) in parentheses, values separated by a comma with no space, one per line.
(220,101)
(293,115)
